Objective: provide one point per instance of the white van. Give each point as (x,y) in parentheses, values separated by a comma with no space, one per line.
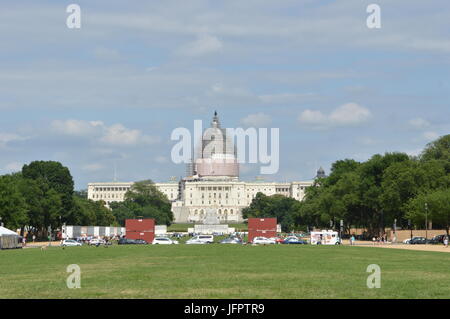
(207,239)
(325,237)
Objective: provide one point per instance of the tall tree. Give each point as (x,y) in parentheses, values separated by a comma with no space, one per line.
(285,209)
(405,180)
(437,208)
(438,150)
(13,208)
(54,176)
(88,212)
(144,200)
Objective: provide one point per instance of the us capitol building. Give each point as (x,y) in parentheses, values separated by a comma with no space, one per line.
(212,181)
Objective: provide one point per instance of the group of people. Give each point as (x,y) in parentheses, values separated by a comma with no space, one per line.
(107,239)
(380,239)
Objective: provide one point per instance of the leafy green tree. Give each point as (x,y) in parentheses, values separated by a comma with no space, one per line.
(437,150)
(144,200)
(53,175)
(123,211)
(438,208)
(88,212)
(13,208)
(81,193)
(285,209)
(371,177)
(340,168)
(405,180)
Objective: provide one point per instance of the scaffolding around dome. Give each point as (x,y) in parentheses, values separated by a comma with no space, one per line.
(217,154)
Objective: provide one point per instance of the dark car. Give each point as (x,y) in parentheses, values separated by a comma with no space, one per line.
(293,241)
(438,239)
(140,242)
(127,241)
(418,241)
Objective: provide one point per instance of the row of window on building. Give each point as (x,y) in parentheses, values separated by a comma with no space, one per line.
(104,196)
(215,188)
(111,189)
(219,211)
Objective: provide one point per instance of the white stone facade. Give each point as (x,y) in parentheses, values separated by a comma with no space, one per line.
(191,199)
(115,191)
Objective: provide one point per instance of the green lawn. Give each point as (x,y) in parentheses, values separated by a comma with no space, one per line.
(224,271)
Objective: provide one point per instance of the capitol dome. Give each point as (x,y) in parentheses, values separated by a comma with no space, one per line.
(217,155)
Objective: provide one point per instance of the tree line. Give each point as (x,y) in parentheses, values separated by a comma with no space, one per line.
(41,198)
(371,195)
(374,194)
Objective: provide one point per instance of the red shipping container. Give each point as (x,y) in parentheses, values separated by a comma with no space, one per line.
(140,229)
(262,227)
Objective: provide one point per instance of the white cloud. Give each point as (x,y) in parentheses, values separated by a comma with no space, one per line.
(344,115)
(116,134)
(419,123)
(312,117)
(256,120)
(76,127)
(349,114)
(205,44)
(6,138)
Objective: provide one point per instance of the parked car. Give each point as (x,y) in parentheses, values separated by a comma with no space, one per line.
(196,241)
(263,241)
(295,241)
(164,241)
(140,242)
(201,239)
(96,242)
(70,242)
(418,241)
(438,239)
(278,240)
(126,241)
(231,240)
(407,241)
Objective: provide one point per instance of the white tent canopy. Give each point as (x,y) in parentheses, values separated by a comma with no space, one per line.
(6,231)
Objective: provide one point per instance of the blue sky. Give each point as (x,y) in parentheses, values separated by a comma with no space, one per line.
(113,91)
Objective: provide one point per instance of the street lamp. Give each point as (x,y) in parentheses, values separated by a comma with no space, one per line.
(395,230)
(426,220)
(410,227)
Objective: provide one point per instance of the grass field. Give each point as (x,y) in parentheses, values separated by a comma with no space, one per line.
(224,271)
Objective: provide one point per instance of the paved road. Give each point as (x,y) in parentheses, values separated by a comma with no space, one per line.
(439,248)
